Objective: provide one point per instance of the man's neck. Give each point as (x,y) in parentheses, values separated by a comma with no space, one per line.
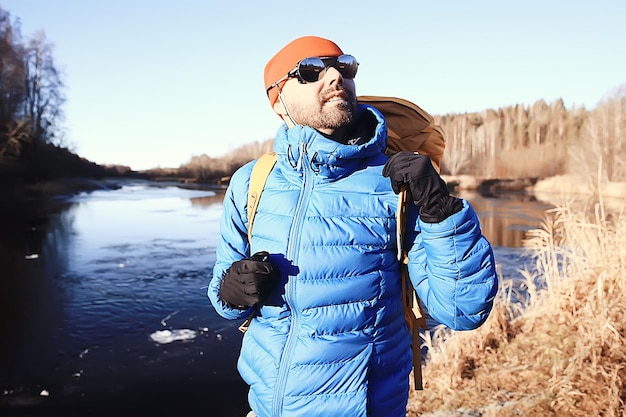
(338,135)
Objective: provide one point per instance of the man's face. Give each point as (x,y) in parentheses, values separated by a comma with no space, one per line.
(326,105)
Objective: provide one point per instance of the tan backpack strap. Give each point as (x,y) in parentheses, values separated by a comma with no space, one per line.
(260,172)
(404,199)
(258,178)
(414,323)
(413,315)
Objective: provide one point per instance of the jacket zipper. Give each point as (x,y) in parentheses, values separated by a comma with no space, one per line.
(290,291)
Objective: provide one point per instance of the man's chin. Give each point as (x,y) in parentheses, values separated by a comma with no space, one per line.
(339,120)
(338,107)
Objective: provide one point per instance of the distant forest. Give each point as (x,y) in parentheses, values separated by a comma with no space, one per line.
(540,140)
(536,141)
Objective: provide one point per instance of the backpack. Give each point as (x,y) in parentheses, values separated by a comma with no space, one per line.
(409,129)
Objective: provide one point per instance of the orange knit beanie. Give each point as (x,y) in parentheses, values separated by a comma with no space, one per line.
(287,58)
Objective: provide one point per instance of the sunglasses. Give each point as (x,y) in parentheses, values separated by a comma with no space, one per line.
(311,69)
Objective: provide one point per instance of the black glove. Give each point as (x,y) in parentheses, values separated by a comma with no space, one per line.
(248,281)
(428,189)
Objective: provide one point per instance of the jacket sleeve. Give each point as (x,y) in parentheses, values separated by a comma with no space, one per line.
(452,268)
(233,242)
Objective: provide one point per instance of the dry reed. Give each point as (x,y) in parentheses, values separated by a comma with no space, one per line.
(559,352)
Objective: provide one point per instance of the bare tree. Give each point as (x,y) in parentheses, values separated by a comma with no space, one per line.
(31,93)
(44,91)
(457,156)
(12,72)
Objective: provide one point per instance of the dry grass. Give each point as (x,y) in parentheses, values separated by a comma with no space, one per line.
(561,351)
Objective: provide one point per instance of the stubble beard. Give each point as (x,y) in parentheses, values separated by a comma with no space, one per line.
(327,115)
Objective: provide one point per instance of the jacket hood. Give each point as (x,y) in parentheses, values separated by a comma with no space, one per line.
(329,159)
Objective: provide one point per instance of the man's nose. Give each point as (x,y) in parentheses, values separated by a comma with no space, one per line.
(333,76)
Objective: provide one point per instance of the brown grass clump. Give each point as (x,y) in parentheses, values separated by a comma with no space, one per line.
(559,352)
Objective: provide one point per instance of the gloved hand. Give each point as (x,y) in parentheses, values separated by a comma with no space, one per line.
(248,281)
(428,189)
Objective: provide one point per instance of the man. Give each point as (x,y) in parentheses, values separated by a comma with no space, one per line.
(320,275)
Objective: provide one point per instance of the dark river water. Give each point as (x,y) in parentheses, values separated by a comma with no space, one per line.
(103,305)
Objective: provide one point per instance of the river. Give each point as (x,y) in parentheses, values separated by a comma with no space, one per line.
(103,305)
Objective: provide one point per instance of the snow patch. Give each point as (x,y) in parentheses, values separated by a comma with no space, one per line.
(169,336)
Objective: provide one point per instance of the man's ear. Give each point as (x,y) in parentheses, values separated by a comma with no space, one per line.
(280,110)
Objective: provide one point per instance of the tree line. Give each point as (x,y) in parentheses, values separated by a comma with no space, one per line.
(539,140)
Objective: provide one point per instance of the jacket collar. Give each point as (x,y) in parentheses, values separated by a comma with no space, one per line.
(329,159)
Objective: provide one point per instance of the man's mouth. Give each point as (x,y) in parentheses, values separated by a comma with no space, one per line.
(336,98)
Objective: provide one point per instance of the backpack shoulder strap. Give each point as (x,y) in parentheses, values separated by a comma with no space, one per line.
(260,172)
(413,314)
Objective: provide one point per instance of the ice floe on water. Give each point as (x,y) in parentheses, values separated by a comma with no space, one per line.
(169,336)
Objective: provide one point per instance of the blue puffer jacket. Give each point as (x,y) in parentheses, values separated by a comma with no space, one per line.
(332,340)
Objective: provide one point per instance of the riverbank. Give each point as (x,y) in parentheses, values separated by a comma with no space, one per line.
(560,349)
(14,191)
(555,190)
(563,185)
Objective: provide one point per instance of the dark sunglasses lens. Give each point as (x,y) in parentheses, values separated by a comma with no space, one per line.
(309,69)
(347,65)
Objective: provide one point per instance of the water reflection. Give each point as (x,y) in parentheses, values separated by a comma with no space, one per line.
(32,243)
(506,219)
(209,202)
(84,287)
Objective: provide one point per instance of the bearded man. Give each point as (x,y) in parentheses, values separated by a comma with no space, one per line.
(320,275)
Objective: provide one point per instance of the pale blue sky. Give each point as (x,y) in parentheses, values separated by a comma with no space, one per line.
(151,82)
